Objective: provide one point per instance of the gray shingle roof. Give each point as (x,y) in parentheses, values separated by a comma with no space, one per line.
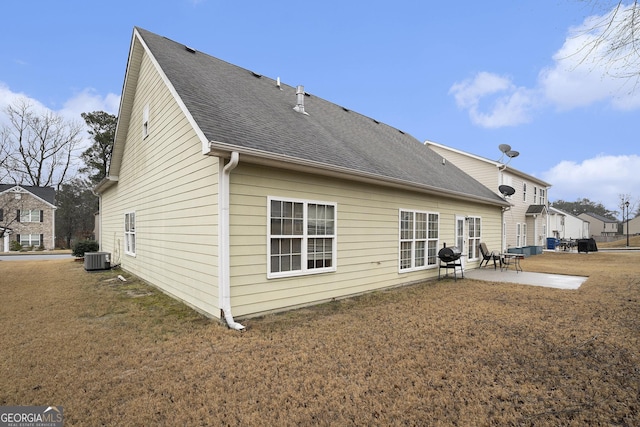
(536,209)
(236,107)
(48,194)
(600,217)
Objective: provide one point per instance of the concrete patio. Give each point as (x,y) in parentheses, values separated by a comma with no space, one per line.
(558,281)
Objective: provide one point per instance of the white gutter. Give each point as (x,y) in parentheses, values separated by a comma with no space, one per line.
(224,273)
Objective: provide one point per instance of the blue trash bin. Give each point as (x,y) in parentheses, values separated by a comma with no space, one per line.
(552,243)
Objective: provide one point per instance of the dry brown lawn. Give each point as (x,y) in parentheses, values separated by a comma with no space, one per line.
(442,353)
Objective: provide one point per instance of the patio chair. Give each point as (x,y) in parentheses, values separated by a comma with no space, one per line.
(488,256)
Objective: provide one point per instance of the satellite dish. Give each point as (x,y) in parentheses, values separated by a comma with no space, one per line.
(512,153)
(506,190)
(504,148)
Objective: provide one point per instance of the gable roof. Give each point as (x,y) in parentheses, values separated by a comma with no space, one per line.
(497,164)
(600,217)
(536,209)
(46,194)
(561,212)
(234,109)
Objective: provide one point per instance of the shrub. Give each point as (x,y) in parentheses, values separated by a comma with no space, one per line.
(85,246)
(14,245)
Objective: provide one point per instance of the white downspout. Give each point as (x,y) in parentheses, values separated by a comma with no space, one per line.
(224,275)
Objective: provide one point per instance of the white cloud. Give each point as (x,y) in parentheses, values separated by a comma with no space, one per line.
(600,179)
(87,101)
(509,105)
(581,74)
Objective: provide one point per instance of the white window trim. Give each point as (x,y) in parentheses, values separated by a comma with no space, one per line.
(413,267)
(304,271)
(474,241)
(128,233)
(30,241)
(24,218)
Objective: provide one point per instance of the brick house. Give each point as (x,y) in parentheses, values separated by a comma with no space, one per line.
(27,215)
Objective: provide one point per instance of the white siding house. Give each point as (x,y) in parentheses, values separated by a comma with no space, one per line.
(563,225)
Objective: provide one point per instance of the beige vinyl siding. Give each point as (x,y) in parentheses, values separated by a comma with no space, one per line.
(485,173)
(367,237)
(173,189)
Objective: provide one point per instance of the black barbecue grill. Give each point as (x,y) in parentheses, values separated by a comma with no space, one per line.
(450,259)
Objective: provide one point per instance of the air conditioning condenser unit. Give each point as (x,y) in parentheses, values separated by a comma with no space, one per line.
(97,261)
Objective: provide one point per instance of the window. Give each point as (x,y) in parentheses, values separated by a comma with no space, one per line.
(524,191)
(524,234)
(30,239)
(30,215)
(130,233)
(145,121)
(535,195)
(302,237)
(543,196)
(518,237)
(475,233)
(419,234)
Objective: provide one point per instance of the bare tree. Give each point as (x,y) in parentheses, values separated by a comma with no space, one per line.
(4,158)
(40,146)
(614,39)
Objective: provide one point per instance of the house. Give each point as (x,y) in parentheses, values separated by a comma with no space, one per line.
(525,222)
(600,225)
(563,225)
(27,215)
(634,226)
(232,191)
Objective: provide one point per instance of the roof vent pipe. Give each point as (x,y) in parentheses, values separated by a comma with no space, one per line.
(300,100)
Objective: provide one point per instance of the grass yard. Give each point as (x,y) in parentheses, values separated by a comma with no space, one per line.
(465,353)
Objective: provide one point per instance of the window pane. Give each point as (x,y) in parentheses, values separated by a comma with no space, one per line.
(406,225)
(420,254)
(276,226)
(405,255)
(319,253)
(275,246)
(275,264)
(285,263)
(421,226)
(276,209)
(287,209)
(296,262)
(432,252)
(287,226)
(433,226)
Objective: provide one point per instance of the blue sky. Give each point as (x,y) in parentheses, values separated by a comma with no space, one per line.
(470,75)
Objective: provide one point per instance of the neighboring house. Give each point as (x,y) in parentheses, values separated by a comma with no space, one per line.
(600,225)
(228,189)
(634,226)
(525,222)
(27,215)
(563,225)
